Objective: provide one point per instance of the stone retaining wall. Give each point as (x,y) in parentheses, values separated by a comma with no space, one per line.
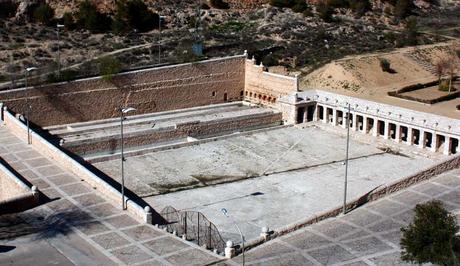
(180,131)
(15,195)
(150,90)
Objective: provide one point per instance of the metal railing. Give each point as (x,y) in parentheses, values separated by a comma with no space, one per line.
(193,226)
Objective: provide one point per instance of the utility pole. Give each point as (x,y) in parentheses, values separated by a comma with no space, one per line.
(346,162)
(58,26)
(123,111)
(159,38)
(28,106)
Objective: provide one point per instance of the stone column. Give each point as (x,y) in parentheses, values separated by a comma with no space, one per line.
(365,125)
(375,128)
(355,122)
(386,132)
(421,141)
(344,119)
(434,142)
(398,133)
(316,116)
(229,250)
(325,115)
(148,216)
(334,117)
(410,137)
(447,146)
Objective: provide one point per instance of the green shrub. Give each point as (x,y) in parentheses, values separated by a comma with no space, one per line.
(283,3)
(270,60)
(300,6)
(134,14)
(108,66)
(219,4)
(308,13)
(66,75)
(404,8)
(444,85)
(338,3)
(411,31)
(8,9)
(68,21)
(360,7)
(325,12)
(88,17)
(430,237)
(385,65)
(44,14)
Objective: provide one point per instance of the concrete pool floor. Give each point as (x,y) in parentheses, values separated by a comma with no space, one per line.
(297,172)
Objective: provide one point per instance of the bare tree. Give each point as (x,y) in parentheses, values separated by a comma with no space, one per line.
(440,68)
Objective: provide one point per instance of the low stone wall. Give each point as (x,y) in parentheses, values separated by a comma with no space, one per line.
(379,192)
(66,162)
(151,90)
(182,130)
(15,195)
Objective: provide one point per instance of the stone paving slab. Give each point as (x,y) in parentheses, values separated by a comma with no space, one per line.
(108,235)
(369,235)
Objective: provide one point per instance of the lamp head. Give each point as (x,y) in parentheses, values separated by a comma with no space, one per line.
(224,211)
(127,110)
(59,26)
(31,69)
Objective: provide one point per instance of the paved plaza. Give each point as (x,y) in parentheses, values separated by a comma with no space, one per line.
(77,226)
(303,170)
(368,235)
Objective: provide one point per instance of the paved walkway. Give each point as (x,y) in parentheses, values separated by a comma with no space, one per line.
(366,236)
(79,223)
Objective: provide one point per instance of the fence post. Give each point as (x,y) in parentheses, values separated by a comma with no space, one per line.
(210,236)
(198,228)
(185,226)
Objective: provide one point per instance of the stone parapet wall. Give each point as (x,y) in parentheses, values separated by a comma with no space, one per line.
(380,192)
(264,87)
(150,90)
(53,153)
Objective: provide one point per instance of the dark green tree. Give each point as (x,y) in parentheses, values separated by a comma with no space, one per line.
(411,31)
(325,12)
(431,237)
(8,9)
(219,4)
(68,21)
(44,14)
(108,67)
(403,8)
(88,17)
(134,14)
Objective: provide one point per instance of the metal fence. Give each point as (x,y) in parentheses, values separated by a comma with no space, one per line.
(194,226)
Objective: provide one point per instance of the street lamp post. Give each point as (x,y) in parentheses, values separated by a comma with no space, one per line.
(28,106)
(123,111)
(225,212)
(346,162)
(159,38)
(58,26)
